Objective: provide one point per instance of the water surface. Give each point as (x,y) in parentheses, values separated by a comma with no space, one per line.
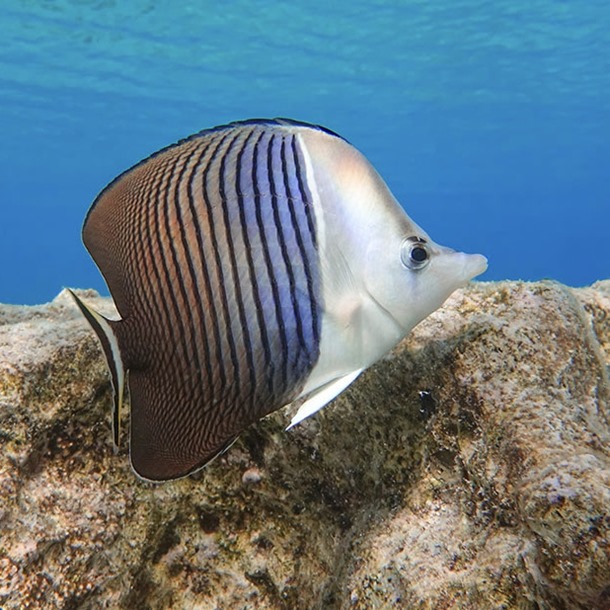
(489,121)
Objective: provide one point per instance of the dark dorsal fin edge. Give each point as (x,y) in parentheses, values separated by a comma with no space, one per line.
(279,121)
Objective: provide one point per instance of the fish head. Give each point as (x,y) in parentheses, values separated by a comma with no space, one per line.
(410,276)
(393,262)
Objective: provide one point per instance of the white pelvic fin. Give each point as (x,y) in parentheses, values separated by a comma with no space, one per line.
(322,396)
(110,346)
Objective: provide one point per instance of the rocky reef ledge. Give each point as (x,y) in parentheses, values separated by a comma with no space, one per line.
(468,469)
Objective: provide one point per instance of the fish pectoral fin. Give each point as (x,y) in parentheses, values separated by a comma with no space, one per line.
(322,396)
(105,331)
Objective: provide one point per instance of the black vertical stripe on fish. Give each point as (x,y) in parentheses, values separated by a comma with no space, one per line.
(199,359)
(259,201)
(208,328)
(309,263)
(152,230)
(138,260)
(167,254)
(194,311)
(282,244)
(149,387)
(294,254)
(231,367)
(201,332)
(210,219)
(302,254)
(232,265)
(260,314)
(185,283)
(174,324)
(261,234)
(217,231)
(233,259)
(301,182)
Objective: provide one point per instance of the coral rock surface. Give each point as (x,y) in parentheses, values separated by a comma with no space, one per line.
(469,469)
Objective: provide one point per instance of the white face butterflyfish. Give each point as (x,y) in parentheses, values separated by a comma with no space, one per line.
(253,265)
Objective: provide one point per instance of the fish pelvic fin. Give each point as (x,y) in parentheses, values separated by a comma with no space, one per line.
(106,333)
(322,396)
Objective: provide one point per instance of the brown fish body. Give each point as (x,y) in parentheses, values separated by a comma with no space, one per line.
(209,252)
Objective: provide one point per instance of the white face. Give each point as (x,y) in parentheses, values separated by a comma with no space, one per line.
(381,273)
(418,274)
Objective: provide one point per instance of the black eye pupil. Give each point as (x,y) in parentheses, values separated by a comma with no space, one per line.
(418,254)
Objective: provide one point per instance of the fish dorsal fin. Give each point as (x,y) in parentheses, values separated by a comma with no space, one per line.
(110,345)
(322,396)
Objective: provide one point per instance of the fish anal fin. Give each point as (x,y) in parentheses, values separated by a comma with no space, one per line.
(174,432)
(322,396)
(106,333)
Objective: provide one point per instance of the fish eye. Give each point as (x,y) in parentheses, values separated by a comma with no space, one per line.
(414,253)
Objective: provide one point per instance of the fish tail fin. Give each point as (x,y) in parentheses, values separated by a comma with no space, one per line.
(106,333)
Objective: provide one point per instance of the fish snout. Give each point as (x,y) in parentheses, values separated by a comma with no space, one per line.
(472,265)
(461,267)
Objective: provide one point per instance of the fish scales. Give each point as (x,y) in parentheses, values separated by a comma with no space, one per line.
(253,265)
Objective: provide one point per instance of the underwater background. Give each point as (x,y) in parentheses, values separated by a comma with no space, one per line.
(490,122)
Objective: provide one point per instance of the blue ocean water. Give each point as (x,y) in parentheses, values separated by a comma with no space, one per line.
(489,121)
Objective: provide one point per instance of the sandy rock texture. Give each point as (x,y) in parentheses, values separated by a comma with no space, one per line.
(469,469)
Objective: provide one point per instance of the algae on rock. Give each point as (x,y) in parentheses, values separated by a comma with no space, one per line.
(470,468)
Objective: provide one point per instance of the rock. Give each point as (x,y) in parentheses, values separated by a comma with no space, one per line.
(468,469)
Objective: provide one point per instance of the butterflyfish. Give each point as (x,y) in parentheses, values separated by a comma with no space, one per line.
(254,265)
